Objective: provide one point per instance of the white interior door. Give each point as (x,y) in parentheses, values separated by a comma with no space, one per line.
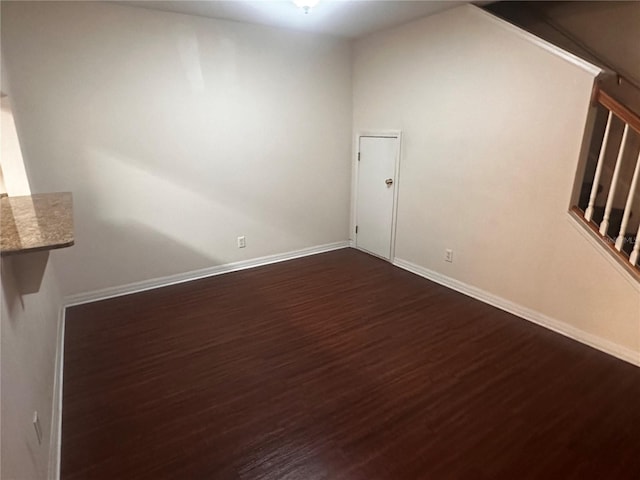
(375,194)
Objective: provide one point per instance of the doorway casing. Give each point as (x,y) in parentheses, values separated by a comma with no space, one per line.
(397,134)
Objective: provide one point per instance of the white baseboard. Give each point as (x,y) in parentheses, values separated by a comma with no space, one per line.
(538,318)
(136,287)
(55,438)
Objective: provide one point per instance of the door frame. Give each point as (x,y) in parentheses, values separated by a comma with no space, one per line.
(397,134)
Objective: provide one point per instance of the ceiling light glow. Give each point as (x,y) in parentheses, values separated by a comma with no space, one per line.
(306,5)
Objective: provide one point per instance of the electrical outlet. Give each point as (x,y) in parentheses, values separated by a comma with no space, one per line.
(448,255)
(242,242)
(37,427)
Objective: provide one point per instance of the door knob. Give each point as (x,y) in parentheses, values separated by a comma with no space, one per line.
(389,182)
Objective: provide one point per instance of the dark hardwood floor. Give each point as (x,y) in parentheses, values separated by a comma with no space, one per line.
(336,366)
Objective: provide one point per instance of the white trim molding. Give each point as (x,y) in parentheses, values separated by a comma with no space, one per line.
(539,42)
(594,341)
(136,287)
(55,439)
(355,170)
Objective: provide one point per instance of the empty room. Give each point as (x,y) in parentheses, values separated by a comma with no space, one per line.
(320,239)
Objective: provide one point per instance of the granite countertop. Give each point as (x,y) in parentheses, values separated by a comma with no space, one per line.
(37,222)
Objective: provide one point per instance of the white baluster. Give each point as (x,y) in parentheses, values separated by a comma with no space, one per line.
(604,226)
(588,214)
(627,207)
(635,253)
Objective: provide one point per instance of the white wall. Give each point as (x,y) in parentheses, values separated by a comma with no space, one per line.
(177,134)
(492,129)
(29,326)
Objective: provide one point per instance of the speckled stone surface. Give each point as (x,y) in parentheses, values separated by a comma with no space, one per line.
(36,222)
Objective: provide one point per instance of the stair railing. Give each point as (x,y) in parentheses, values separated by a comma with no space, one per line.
(630,121)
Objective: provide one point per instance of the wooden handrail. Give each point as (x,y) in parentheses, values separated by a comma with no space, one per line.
(622,112)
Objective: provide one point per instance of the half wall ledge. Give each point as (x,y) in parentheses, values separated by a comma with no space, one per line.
(35,223)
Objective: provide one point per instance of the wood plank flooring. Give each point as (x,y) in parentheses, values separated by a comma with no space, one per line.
(337,366)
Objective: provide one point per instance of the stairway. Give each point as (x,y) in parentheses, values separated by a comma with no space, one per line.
(613,158)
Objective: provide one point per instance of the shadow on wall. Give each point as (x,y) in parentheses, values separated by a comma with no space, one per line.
(133,224)
(197,129)
(22,275)
(125,188)
(131,246)
(10,289)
